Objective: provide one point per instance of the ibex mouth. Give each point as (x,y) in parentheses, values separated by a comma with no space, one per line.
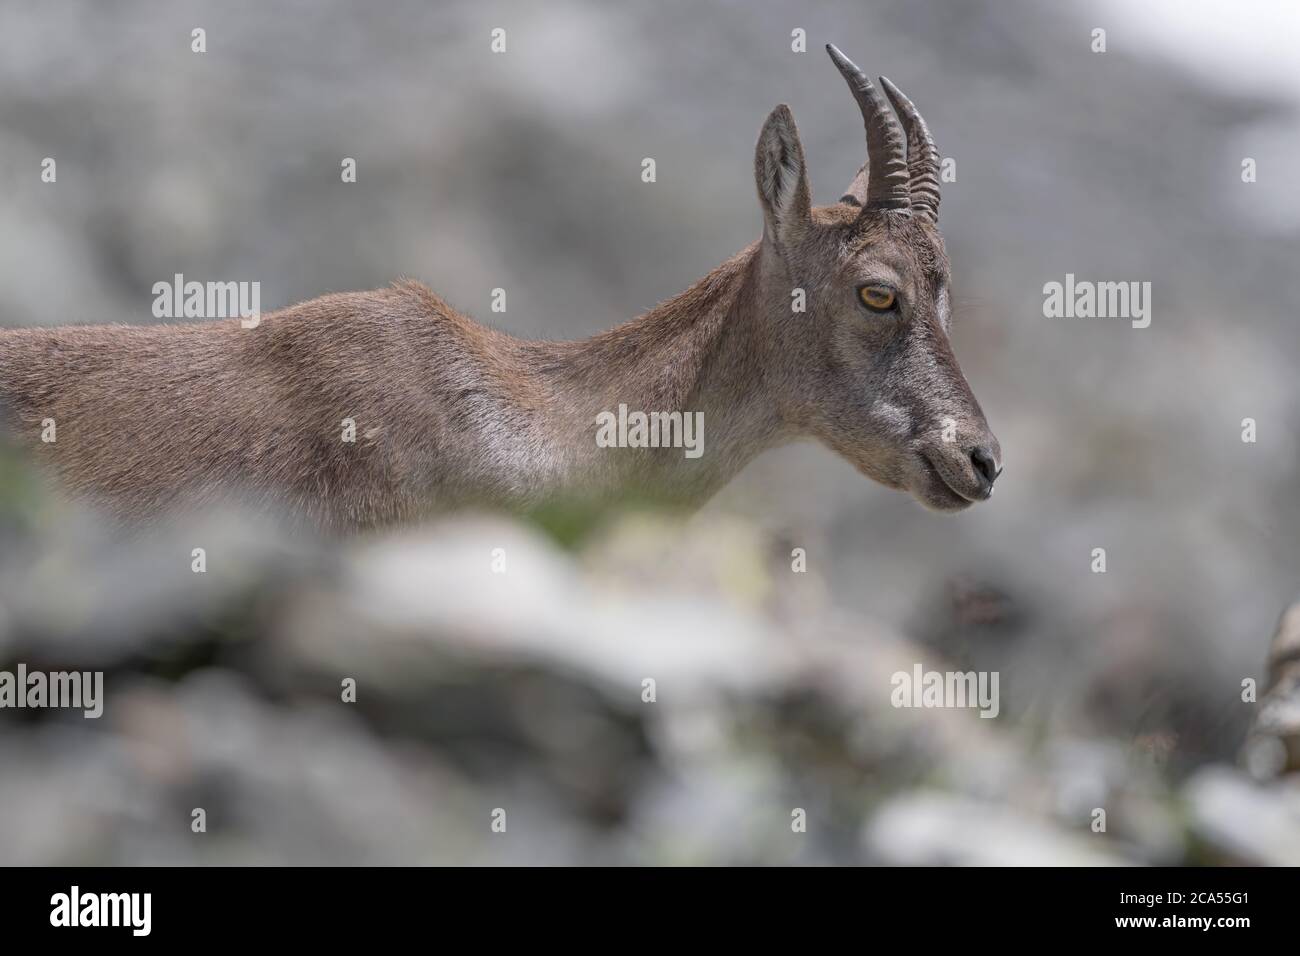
(940,493)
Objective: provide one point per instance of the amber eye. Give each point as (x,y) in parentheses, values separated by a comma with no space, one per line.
(877,298)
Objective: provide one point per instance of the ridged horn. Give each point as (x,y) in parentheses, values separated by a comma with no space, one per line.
(922,154)
(887,175)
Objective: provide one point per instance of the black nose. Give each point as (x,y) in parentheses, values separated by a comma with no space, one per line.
(986,467)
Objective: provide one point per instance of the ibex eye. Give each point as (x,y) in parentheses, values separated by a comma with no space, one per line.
(877,298)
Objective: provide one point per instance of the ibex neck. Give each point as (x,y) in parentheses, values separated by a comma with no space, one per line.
(690,369)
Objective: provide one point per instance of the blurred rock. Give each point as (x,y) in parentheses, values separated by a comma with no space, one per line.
(935,829)
(1242,821)
(496,670)
(1274,745)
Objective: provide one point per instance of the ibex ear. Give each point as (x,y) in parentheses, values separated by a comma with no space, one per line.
(782,178)
(856,194)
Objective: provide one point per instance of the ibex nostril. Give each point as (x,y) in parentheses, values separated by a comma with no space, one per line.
(986,466)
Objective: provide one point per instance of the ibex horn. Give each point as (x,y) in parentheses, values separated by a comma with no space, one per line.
(887,185)
(922,154)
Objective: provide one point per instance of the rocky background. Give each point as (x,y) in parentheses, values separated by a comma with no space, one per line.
(523,690)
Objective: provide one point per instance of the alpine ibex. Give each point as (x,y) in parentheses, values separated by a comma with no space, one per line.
(446,411)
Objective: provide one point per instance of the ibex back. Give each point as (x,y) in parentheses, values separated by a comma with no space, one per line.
(447,412)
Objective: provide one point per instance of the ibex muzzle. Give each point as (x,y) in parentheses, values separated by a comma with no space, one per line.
(368,408)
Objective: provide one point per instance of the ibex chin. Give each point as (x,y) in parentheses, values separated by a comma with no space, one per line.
(446,412)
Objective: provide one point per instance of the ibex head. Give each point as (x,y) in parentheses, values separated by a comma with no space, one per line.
(868,367)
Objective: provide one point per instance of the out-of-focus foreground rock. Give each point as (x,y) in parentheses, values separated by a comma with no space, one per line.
(501,677)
